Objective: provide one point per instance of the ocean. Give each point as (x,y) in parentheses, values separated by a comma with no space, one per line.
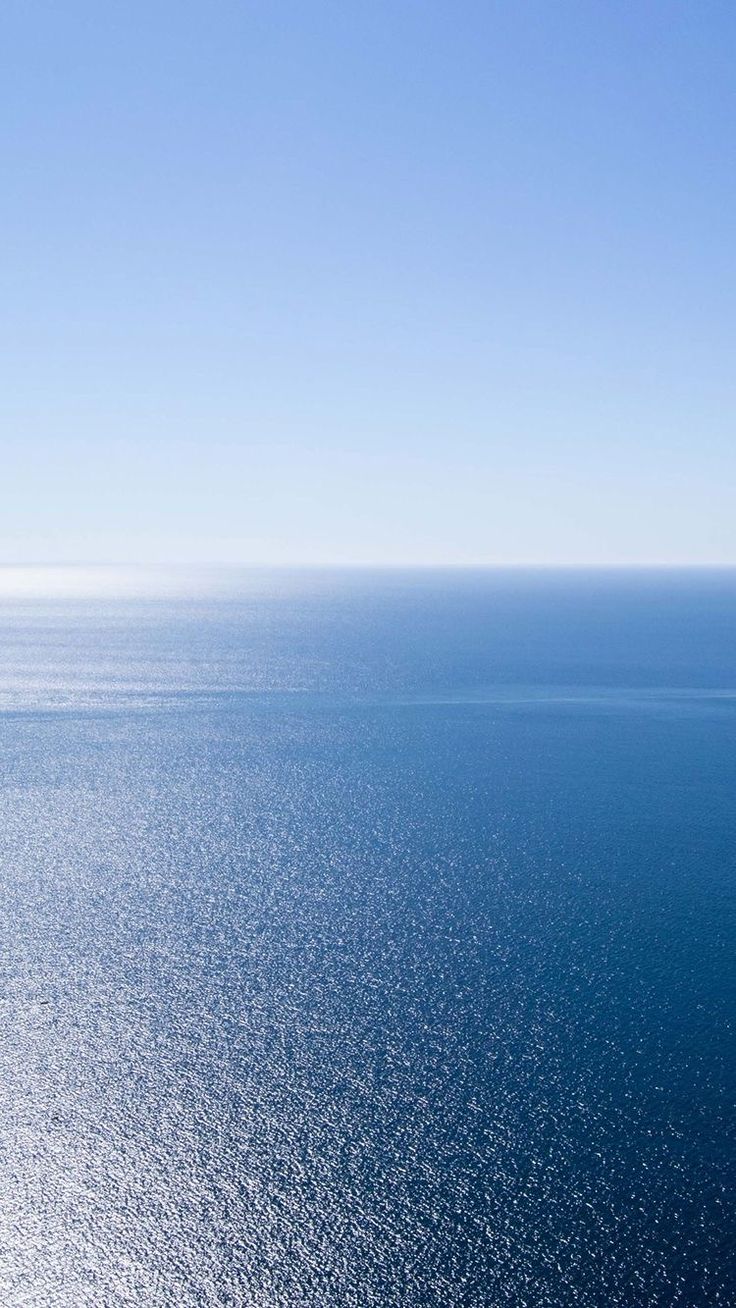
(367,940)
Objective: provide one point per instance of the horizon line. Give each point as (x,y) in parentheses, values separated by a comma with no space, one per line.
(355,566)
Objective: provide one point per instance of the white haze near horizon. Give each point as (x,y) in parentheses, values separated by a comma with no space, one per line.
(90,581)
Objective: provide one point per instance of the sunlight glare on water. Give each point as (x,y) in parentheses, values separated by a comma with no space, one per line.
(367,940)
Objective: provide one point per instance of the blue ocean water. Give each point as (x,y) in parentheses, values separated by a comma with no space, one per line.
(367,939)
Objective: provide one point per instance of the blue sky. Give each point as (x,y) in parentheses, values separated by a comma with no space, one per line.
(367,282)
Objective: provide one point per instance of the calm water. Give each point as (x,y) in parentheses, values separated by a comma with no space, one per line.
(369,941)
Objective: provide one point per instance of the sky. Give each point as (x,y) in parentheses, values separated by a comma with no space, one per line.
(368,282)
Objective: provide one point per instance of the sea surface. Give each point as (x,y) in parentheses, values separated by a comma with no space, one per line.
(366,941)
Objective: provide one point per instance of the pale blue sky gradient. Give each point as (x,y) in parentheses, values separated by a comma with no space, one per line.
(368,282)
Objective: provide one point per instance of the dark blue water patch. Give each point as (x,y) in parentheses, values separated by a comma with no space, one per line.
(392,991)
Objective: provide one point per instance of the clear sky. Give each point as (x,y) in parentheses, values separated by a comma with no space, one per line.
(368,281)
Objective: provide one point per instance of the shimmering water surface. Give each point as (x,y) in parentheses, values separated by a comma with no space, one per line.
(367,940)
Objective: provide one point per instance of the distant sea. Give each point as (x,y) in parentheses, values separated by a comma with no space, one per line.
(367,941)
